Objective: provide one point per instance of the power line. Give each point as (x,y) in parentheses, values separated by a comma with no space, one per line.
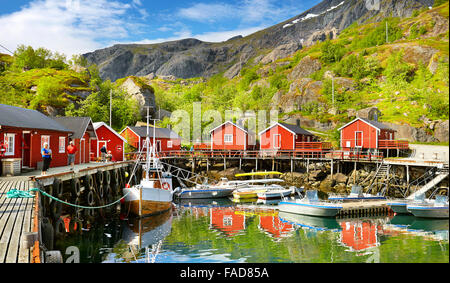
(12,53)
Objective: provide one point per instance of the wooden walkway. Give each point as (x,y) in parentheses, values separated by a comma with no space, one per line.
(16,218)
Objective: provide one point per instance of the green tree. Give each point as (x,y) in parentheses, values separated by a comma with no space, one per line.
(332,52)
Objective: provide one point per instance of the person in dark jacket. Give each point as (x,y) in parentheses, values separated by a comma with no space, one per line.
(103,152)
(46,158)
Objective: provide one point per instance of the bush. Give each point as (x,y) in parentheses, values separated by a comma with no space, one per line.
(332,52)
(397,71)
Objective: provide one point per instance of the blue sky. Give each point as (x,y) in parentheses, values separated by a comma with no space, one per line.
(79,26)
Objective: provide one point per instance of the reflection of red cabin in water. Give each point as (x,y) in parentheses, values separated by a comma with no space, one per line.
(359,235)
(226,220)
(274,226)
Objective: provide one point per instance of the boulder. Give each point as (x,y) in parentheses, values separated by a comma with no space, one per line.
(306,67)
(280,52)
(441,131)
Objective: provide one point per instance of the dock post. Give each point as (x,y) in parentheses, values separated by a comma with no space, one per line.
(407,175)
(331,169)
(256,164)
(273,164)
(207,165)
(224,163)
(292,165)
(307,166)
(240,163)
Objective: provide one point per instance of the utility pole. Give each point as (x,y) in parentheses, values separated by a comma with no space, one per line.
(332,89)
(110,108)
(387,34)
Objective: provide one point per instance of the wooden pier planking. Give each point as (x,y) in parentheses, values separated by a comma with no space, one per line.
(15,219)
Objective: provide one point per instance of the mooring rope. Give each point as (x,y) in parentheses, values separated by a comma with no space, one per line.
(14,193)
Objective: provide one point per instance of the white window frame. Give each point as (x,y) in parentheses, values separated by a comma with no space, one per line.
(62,147)
(42,142)
(10,151)
(228,138)
(169,144)
(279,141)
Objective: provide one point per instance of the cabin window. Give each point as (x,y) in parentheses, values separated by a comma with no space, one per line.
(169,144)
(276,141)
(62,144)
(45,139)
(9,139)
(228,138)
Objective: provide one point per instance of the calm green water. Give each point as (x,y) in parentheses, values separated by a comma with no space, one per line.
(220,231)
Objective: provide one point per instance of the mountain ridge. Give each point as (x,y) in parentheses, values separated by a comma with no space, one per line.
(188,58)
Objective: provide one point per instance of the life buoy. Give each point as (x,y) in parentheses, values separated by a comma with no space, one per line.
(3,148)
(166,186)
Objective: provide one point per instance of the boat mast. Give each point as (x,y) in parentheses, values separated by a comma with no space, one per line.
(147,143)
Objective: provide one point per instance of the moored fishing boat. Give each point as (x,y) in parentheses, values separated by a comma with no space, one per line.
(310,205)
(154,193)
(257,186)
(276,193)
(430,208)
(356,194)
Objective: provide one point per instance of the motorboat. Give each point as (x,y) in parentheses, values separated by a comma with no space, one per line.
(430,208)
(356,194)
(257,186)
(276,193)
(310,205)
(223,188)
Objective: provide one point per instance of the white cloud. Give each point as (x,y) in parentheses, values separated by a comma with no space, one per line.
(70,27)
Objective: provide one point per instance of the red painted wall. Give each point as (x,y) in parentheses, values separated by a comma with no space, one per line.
(240,138)
(113,143)
(133,140)
(267,139)
(369,135)
(33,146)
(83,146)
(226,220)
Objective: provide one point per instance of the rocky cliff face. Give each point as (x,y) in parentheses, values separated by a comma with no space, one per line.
(193,58)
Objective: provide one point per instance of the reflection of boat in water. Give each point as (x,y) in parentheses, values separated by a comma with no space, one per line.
(313,222)
(210,202)
(310,205)
(356,194)
(146,231)
(430,225)
(399,205)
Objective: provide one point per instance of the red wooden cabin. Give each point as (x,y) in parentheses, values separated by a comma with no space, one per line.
(166,139)
(106,136)
(363,134)
(282,136)
(83,133)
(230,136)
(24,131)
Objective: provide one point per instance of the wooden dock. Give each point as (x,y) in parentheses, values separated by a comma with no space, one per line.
(16,219)
(363,208)
(21,237)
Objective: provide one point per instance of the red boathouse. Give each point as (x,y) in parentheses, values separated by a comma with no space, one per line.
(282,136)
(106,136)
(364,134)
(23,133)
(230,136)
(166,139)
(83,134)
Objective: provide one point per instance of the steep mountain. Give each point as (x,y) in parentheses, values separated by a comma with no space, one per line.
(190,58)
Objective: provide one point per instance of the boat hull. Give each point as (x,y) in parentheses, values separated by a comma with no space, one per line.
(349,199)
(399,207)
(428,211)
(309,209)
(274,195)
(246,195)
(147,201)
(200,194)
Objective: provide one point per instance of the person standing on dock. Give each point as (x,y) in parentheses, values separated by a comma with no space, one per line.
(103,153)
(46,158)
(71,150)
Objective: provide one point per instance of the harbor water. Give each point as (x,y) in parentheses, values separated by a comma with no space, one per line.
(221,231)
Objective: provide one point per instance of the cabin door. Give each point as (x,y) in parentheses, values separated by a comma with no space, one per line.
(158,146)
(82,151)
(276,141)
(26,149)
(358,139)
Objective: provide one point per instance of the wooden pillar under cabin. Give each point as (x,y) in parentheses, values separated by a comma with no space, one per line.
(240,163)
(256,164)
(307,166)
(224,163)
(407,175)
(331,169)
(207,165)
(354,174)
(193,165)
(398,152)
(273,164)
(292,165)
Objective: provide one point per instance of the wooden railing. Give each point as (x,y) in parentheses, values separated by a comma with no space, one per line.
(281,154)
(313,145)
(392,144)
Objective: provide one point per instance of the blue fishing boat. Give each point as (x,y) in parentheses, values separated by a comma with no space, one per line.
(430,208)
(356,194)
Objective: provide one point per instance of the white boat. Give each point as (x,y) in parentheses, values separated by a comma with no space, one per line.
(356,194)
(430,208)
(154,193)
(223,188)
(276,193)
(310,205)
(253,187)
